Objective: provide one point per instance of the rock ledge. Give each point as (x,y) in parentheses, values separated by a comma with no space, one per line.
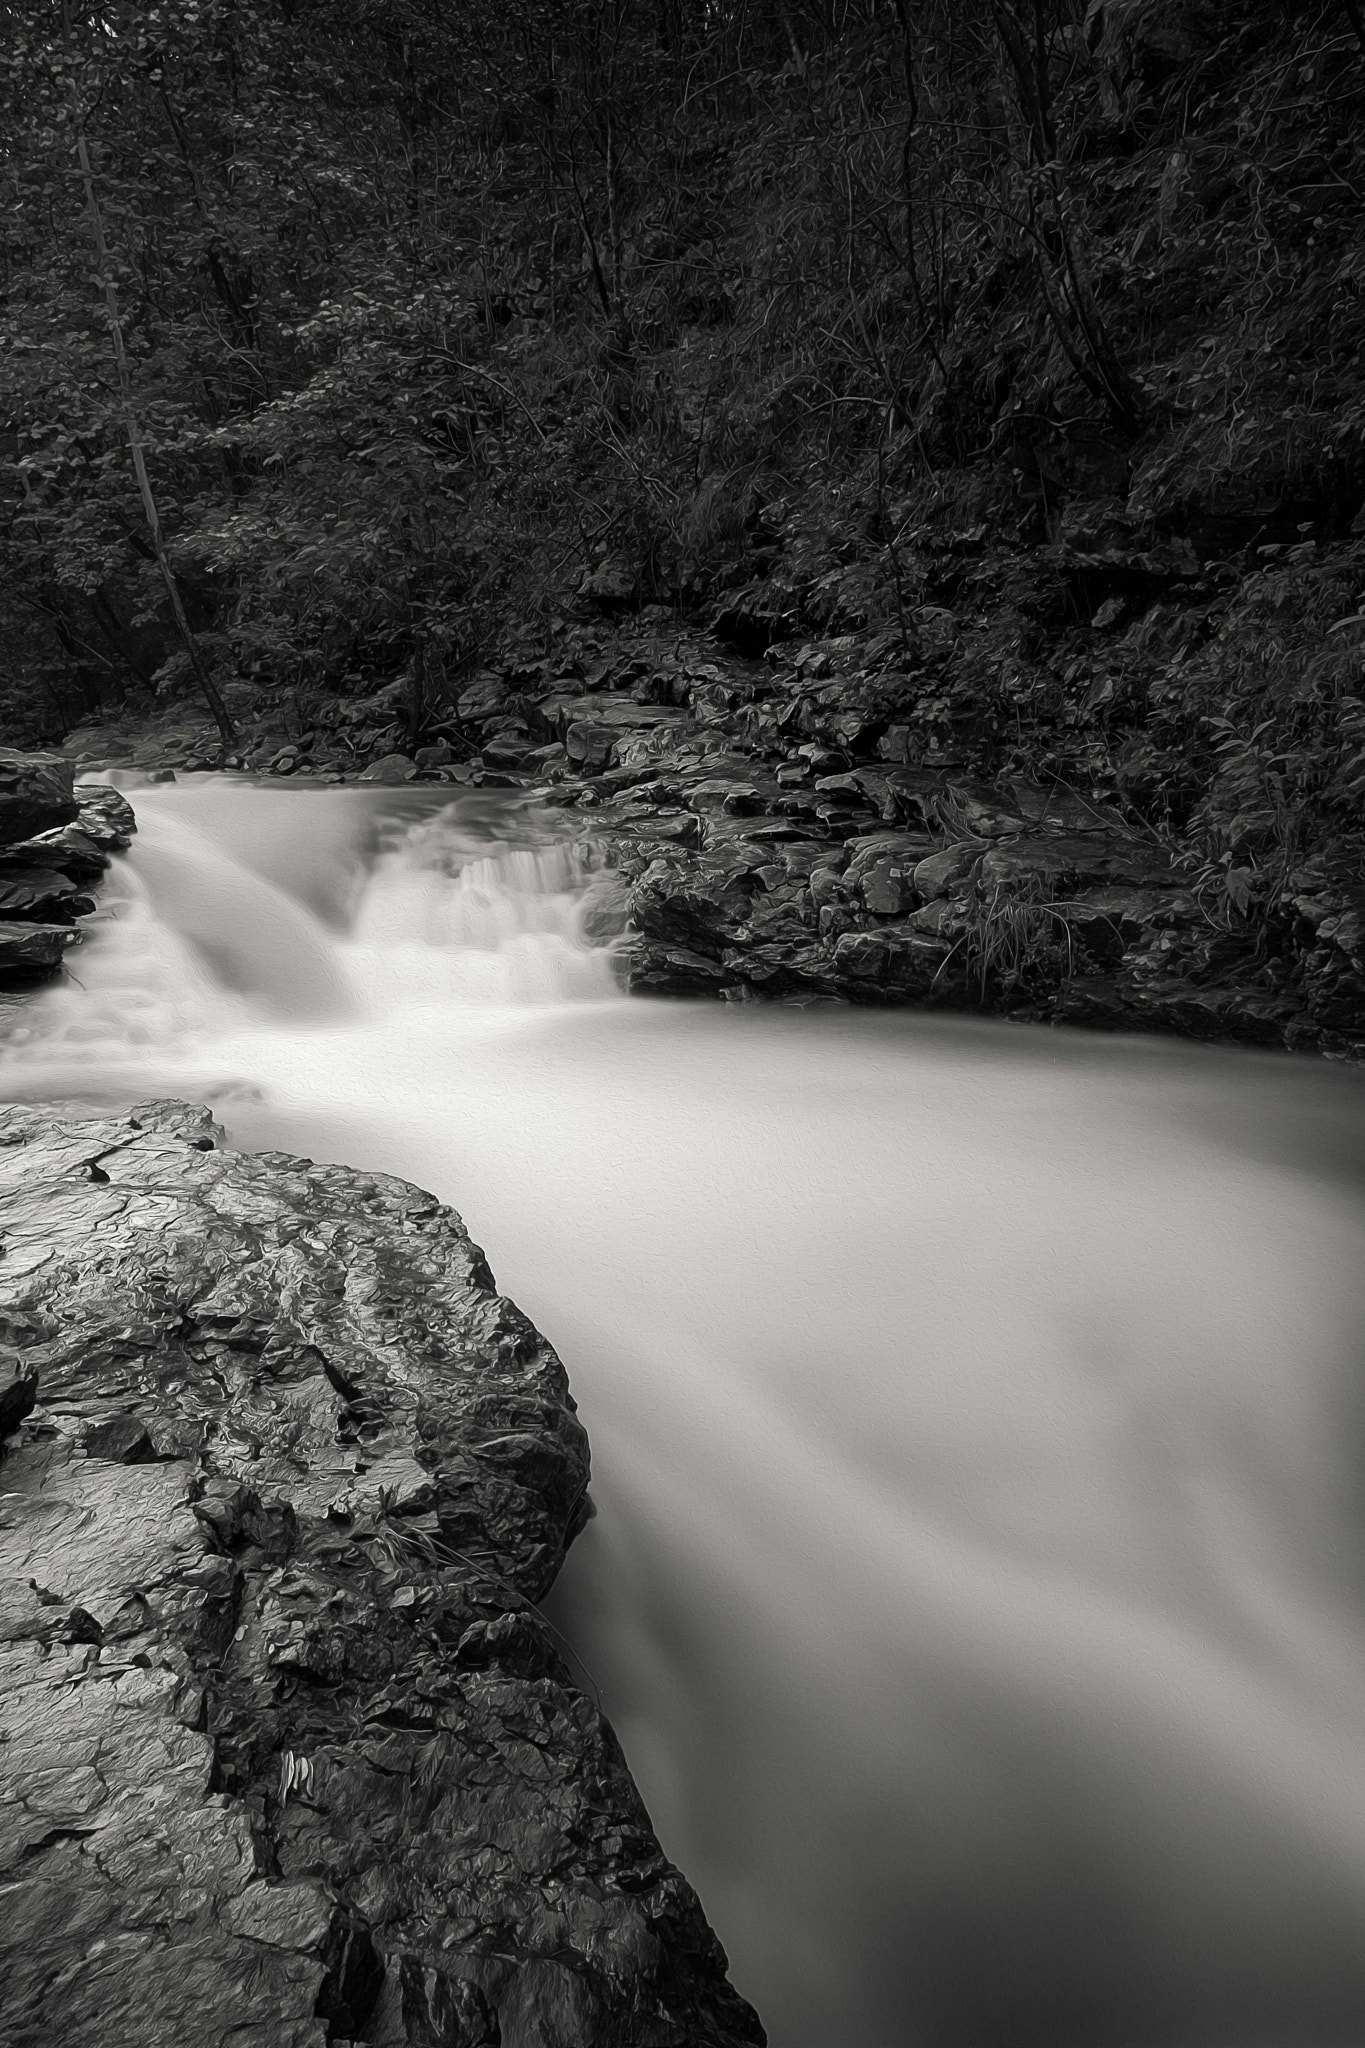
(292,1757)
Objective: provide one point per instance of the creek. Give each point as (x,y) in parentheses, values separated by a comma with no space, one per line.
(978,1573)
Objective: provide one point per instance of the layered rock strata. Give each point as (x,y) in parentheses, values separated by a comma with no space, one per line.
(291,1755)
(55,844)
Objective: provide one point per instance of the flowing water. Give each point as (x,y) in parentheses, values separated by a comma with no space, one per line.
(977,1413)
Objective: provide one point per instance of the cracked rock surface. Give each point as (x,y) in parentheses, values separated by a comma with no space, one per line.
(289,1756)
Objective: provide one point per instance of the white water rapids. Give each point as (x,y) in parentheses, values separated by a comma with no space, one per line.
(977,1413)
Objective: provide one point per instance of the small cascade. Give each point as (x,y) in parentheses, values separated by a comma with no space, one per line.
(223,919)
(445,917)
(254,935)
(134,985)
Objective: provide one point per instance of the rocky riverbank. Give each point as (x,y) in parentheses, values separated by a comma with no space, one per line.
(786,827)
(291,1757)
(55,846)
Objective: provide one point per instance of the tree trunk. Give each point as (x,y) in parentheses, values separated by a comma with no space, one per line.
(212,695)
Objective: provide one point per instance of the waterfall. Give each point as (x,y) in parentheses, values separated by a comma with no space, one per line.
(977,1584)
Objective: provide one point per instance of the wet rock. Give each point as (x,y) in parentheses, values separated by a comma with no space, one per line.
(939,919)
(104,825)
(590,747)
(42,880)
(548,761)
(97,743)
(18,1399)
(1197,1010)
(39,894)
(630,723)
(661,968)
(827,886)
(882,870)
(781,967)
(738,799)
(842,785)
(489,696)
(27,949)
(292,1758)
(940,873)
(389,770)
(984,812)
(699,904)
(1016,863)
(550,717)
(36,794)
(508,748)
(73,851)
(1127,913)
(900,961)
(122,1440)
(907,796)
(104,816)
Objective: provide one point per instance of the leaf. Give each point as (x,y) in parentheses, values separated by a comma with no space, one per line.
(1240,884)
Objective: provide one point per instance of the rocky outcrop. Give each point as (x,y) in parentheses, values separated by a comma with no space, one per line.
(291,1755)
(55,842)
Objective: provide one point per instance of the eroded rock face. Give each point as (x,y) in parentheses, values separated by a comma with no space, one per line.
(292,1756)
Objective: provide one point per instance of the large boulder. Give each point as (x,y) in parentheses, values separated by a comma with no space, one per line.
(292,1757)
(36,794)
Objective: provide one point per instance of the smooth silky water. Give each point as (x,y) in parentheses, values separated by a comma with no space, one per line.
(977,1413)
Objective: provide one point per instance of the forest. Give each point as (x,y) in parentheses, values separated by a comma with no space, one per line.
(358,351)
(708,656)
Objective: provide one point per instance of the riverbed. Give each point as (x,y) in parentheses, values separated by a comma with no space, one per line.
(976,1410)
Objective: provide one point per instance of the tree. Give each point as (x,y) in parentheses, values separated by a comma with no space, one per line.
(104,272)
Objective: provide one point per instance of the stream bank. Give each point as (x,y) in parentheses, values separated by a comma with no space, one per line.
(55,846)
(785,827)
(292,1756)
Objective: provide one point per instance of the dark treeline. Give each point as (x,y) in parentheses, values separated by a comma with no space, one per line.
(342,338)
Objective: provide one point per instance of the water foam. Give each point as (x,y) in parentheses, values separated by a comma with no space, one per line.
(979,1579)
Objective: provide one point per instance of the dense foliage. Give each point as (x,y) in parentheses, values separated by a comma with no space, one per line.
(1029,330)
